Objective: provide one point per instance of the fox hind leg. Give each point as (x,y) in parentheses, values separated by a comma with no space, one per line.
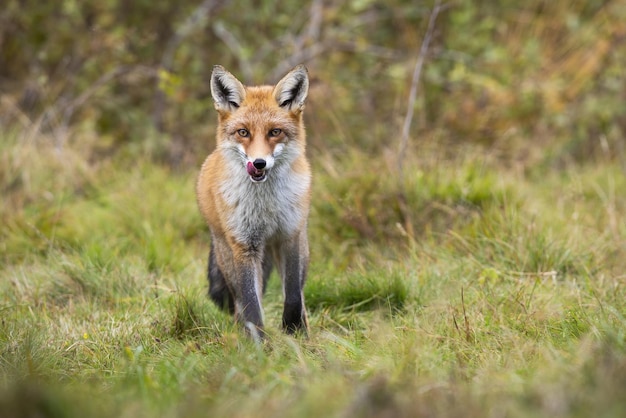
(218,289)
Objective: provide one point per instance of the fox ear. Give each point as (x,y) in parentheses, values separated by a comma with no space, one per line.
(292,89)
(227,91)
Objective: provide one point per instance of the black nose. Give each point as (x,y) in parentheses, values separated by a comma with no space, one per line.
(259,163)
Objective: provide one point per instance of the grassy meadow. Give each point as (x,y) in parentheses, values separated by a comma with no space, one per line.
(487,278)
(510,303)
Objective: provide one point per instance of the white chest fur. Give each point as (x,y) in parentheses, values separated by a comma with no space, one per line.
(262,211)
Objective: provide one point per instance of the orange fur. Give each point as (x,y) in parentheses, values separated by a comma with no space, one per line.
(254,192)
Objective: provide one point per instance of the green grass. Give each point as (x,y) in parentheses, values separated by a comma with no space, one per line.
(488,281)
(507,299)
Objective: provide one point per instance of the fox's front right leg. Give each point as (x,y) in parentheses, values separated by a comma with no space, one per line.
(236,279)
(247,291)
(244,274)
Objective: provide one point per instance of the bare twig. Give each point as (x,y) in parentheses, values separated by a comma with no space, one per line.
(301,56)
(196,20)
(231,41)
(408,119)
(103,80)
(417,71)
(58,116)
(306,45)
(313,30)
(319,48)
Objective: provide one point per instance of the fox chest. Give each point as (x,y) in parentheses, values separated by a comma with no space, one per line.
(267,210)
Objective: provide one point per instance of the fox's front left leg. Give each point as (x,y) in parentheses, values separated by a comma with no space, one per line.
(294,261)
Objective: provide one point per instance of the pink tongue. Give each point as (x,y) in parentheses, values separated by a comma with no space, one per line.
(252,170)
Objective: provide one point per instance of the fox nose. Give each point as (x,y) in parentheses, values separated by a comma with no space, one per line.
(259,163)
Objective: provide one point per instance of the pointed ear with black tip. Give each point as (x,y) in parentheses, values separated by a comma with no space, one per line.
(292,89)
(228,92)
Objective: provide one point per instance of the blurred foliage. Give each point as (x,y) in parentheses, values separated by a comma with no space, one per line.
(89,87)
(485,277)
(530,79)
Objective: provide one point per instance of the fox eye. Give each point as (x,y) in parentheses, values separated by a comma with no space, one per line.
(275,132)
(244,133)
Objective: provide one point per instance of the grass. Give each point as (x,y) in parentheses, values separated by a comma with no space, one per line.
(507,299)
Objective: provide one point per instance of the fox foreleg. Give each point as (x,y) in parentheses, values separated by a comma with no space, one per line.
(247,292)
(293,258)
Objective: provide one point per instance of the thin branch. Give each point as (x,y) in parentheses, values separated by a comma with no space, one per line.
(406,127)
(196,20)
(299,57)
(58,116)
(309,35)
(312,31)
(104,79)
(417,71)
(309,53)
(231,41)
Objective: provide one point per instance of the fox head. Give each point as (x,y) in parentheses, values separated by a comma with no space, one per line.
(262,126)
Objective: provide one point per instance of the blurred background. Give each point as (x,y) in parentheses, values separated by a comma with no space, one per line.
(90,88)
(467,225)
(534,81)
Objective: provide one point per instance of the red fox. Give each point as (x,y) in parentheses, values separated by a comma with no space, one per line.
(254,191)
